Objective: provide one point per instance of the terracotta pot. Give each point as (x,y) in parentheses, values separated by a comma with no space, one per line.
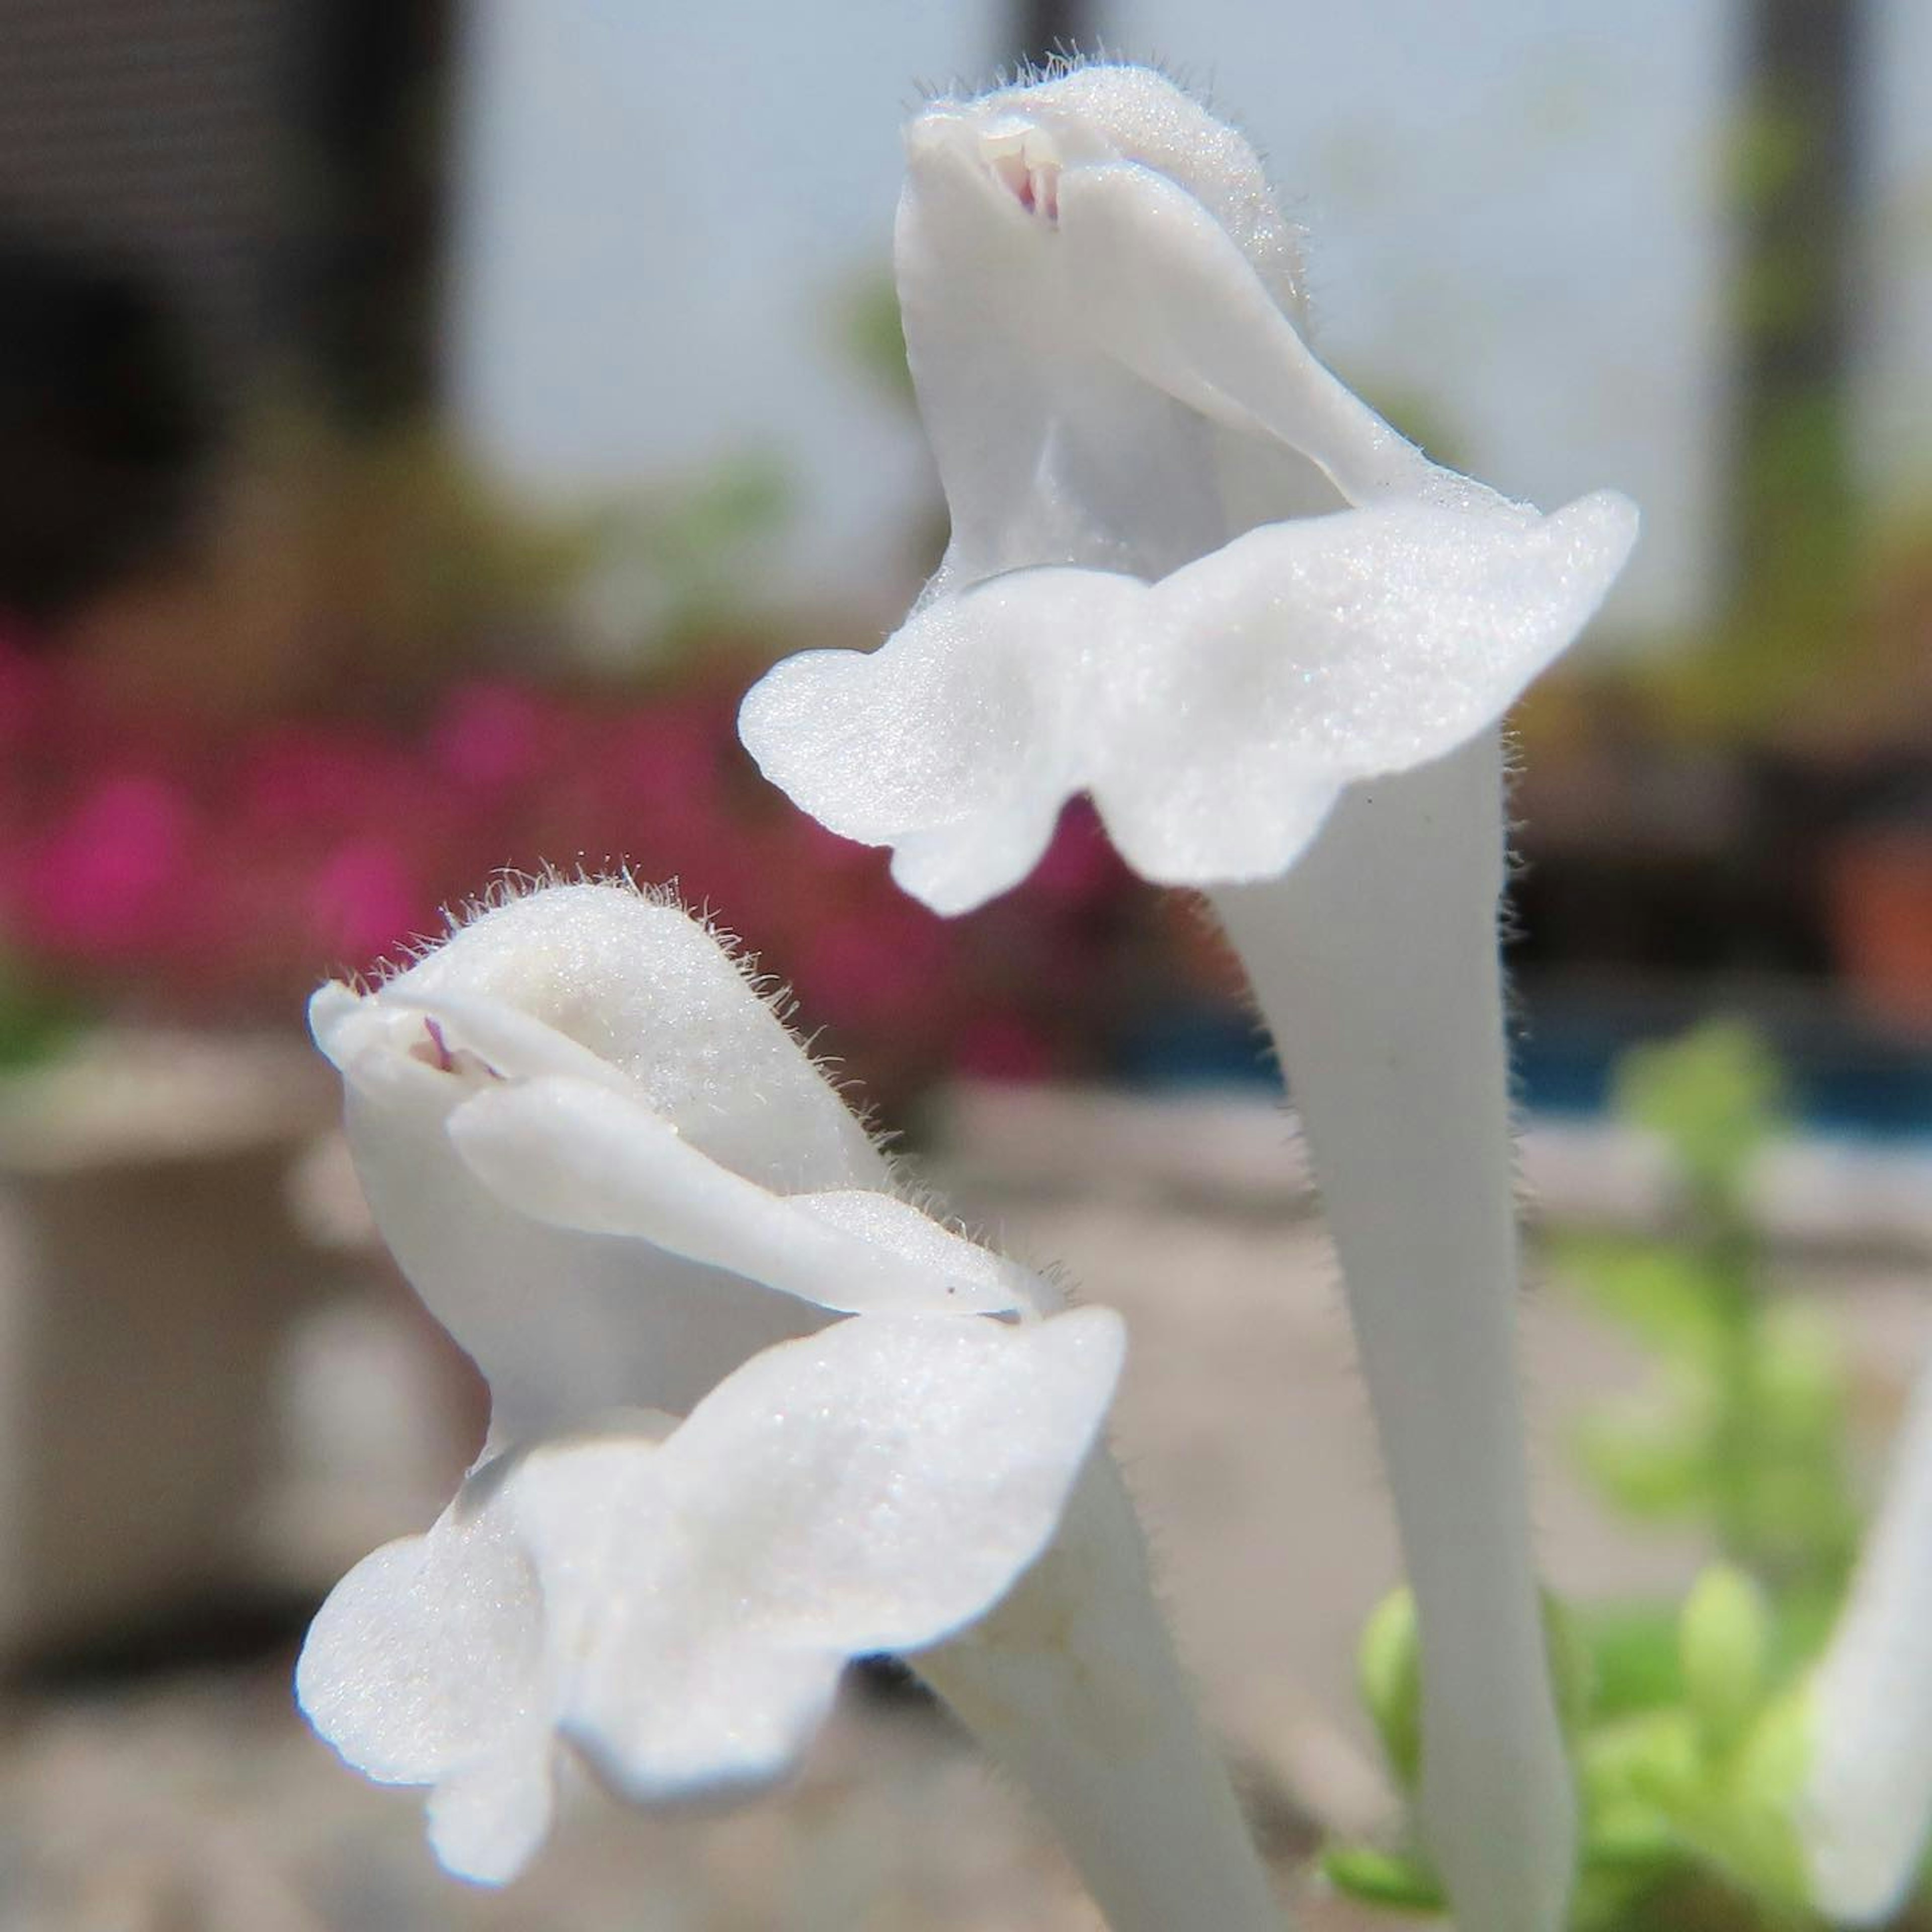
(1879,888)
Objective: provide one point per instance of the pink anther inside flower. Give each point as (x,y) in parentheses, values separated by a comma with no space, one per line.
(434,1050)
(1024,161)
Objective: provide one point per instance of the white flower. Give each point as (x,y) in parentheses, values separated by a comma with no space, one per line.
(1864,1814)
(680,1610)
(1193,574)
(1190,573)
(609,1169)
(627,1191)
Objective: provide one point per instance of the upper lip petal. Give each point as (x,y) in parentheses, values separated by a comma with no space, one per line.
(939,131)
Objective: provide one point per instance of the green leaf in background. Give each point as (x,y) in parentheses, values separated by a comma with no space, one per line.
(1634,1650)
(873,334)
(1650,1458)
(1737,1814)
(1715,1097)
(1572,1670)
(37,1024)
(1388,1671)
(1724,1642)
(1662,1293)
(1386,1879)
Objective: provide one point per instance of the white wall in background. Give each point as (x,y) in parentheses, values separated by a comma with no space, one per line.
(1514,213)
(1896,416)
(658,207)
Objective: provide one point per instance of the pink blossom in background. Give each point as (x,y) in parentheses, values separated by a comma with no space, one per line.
(25,684)
(885,966)
(364,900)
(1080,866)
(824,854)
(295,777)
(489,738)
(116,876)
(1004,1047)
(159,863)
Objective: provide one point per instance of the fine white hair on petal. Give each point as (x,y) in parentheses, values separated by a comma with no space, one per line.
(873,1487)
(679,1607)
(656,993)
(1216,715)
(1190,570)
(598,1155)
(1137,114)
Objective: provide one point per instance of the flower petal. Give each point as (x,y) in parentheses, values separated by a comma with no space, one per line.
(1306,655)
(573,1155)
(513,1045)
(1048,450)
(896,1474)
(1216,716)
(1165,289)
(612,988)
(958,740)
(563,1325)
(873,1487)
(411,1662)
(332,1009)
(971,1279)
(607,983)
(487,1817)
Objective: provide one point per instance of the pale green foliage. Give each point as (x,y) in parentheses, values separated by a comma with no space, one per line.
(1688,1727)
(1741,1429)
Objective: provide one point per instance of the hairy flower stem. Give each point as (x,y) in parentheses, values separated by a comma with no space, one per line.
(1376,964)
(1072,1684)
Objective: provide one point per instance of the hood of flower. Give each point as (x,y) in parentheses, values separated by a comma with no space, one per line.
(611,1172)
(1089,112)
(1103,306)
(655,1003)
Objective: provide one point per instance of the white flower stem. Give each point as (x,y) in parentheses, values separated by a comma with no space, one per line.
(1865,1812)
(1072,1684)
(1376,964)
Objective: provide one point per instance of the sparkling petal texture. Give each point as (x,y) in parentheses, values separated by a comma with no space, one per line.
(872,1488)
(1298,710)
(626,1190)
(423,1667)
(581,1156)
(610,1170)
(1277,594)
(958,743)
(680,1609)
(1215,716)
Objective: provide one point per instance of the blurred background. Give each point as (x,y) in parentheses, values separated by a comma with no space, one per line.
(419,422)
